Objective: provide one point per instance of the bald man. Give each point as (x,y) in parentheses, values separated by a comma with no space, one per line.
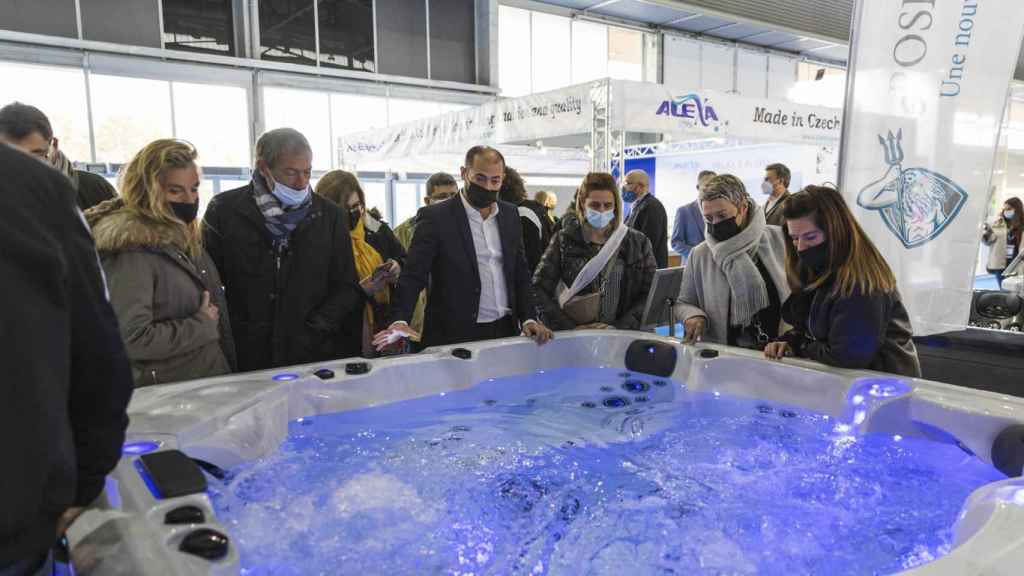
(647,214)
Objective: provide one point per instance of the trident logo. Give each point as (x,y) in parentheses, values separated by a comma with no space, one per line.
(916,204)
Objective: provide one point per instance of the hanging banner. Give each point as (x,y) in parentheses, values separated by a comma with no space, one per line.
(529,118)
(927,90)
(643,107)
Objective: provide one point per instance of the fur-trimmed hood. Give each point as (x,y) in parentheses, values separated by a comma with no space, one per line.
(117,228)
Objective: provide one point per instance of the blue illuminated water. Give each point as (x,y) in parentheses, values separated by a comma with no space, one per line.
(588,471)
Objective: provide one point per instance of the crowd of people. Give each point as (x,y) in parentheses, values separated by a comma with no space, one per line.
(141,291)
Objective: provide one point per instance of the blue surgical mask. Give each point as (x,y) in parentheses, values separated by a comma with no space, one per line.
(628,195)
(289,196)
(599,220)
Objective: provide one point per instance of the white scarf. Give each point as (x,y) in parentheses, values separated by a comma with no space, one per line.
(596,264)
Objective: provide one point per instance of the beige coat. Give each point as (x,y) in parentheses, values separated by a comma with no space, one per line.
(156,289)
(995,239)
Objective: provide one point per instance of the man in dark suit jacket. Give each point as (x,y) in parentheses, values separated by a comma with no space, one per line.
(470,250)
(647,215)
(776,185)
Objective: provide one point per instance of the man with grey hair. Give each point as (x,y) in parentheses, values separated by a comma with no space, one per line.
(776,187)
(735,282)
(647,214)
(285,258)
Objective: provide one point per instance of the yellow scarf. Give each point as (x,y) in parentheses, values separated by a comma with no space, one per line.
(367,260)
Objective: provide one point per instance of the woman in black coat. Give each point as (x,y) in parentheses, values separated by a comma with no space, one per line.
(624,281)
(378,254)
(845,307)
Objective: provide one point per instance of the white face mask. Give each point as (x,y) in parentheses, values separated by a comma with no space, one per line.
(767,188)
(599,220)
(288,196)
(1009,214)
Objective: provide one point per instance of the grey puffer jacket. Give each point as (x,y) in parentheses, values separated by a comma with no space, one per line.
(568,253)
(156,289)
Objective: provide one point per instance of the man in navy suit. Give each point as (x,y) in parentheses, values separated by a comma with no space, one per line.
(689,227)
(470,251)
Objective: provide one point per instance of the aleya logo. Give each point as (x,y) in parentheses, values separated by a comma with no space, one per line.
(691,107)
(915,203)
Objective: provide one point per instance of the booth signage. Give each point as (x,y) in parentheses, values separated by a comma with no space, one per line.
(927,89)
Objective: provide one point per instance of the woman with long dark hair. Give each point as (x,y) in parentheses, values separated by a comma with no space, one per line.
(1004,238)
(845,309)
(378,254)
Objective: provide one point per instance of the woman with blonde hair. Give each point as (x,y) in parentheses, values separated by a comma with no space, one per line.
(596,272)
(378,254)
(163,286)
(846,310)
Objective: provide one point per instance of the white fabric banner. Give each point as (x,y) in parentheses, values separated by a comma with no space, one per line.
(929,85)
(644,107)
(529,118)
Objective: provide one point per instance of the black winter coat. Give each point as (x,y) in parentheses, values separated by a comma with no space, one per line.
(296,306)
(568,253)
(858,331)
(384,241)
(66,376)
(91,189)
(535,241)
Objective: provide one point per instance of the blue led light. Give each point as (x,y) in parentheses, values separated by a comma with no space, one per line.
(887,388)
(286,376)
(137,448)
(147,480)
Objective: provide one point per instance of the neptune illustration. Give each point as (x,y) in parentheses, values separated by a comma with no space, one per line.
(915,203)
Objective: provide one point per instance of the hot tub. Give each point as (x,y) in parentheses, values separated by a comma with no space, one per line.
(600,453)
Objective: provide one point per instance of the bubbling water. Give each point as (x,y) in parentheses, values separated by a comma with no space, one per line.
(552,474)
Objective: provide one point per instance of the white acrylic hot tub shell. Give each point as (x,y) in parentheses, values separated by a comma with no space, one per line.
(232,419)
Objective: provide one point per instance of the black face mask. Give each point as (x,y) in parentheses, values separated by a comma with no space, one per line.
(814,260)
(185,211)
(353,218)
(724,230)
(480,197)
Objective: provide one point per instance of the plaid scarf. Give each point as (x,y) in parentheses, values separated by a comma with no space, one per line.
(280,220)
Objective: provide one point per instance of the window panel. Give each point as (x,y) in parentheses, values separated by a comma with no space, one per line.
(402,34)
(589,51)
(351,113)
(60,94)
(215,120)
(53,17)
(625,54)
(205,194)
(135,23)
(551,52)
(513,52)
(287,31)
(305,111)
(401,110)
(199,26)
(407,200)
(453,40)
(376,196)
(128,113)
(346,34)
